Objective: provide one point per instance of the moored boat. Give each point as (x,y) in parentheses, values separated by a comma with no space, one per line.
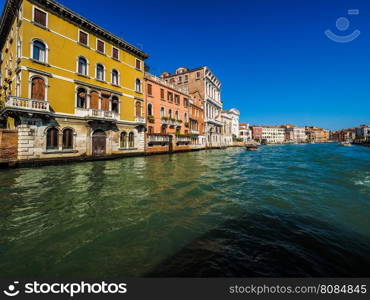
(251,147)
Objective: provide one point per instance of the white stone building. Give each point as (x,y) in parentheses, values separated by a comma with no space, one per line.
(299,134)
(363,133)
(227,136)
(244,132)
(295,134)
(234,115)
(273,134)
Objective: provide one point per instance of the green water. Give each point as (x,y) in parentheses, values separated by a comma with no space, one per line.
(156,216)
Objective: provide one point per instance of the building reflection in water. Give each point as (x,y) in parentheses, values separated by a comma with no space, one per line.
(108,217)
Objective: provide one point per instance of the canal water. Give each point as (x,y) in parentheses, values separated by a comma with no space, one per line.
(288,210)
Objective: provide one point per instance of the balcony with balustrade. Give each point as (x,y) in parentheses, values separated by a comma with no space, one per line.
(26,105)
(183,139)
(158,138)
(165,121)
(91,113)
(140,119)
(213,121)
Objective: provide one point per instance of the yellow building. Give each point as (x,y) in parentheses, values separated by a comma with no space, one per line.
(317,135)
(69,87)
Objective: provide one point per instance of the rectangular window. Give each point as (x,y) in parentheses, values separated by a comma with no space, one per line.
(186,78)
(162,94)
(115,77)
(17,86)
(115,53)
(150,89)
(100,46)
(138,64)
(138,85)
(170,97)
(83,38)
(186,103)
(198,75)
(177,99)
(39,17)
(19,47)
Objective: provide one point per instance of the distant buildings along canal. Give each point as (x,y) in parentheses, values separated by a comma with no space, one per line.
(359,135)
(168,121)
(201,81)
(71,90)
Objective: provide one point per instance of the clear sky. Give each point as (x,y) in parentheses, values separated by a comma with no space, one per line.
(275,63)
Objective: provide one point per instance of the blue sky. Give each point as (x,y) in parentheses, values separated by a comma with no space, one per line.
(274,61)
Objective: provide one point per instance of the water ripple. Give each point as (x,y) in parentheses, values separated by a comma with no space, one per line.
(294,210)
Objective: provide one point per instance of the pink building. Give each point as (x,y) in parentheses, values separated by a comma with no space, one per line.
(168,109)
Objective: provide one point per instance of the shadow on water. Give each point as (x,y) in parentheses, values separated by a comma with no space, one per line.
(261,245)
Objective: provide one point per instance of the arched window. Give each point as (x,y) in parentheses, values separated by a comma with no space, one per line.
(150,109)
(38,88)
(162,112)
(67,138)
(170,113)
(138,85)
(82,66)
(185,117)
(131,142)
(52,138)
(115,104)
(39,51)
(99,72)
(115,77)
(81,98)
(138,109)
(123,139)
(176,115)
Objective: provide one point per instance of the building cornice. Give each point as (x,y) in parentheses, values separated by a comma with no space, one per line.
(87,25)
(7,17)
(39,72)
(97,87)
(218,104)
(157,80)
(186,72)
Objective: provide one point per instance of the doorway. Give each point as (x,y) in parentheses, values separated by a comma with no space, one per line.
(99,143)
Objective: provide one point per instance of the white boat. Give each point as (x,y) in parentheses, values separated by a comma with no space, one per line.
(346,144)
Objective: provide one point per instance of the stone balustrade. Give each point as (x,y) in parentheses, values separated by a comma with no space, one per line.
(158,138)
(27,104)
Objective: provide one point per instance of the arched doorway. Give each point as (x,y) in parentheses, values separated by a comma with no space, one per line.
(99,142)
